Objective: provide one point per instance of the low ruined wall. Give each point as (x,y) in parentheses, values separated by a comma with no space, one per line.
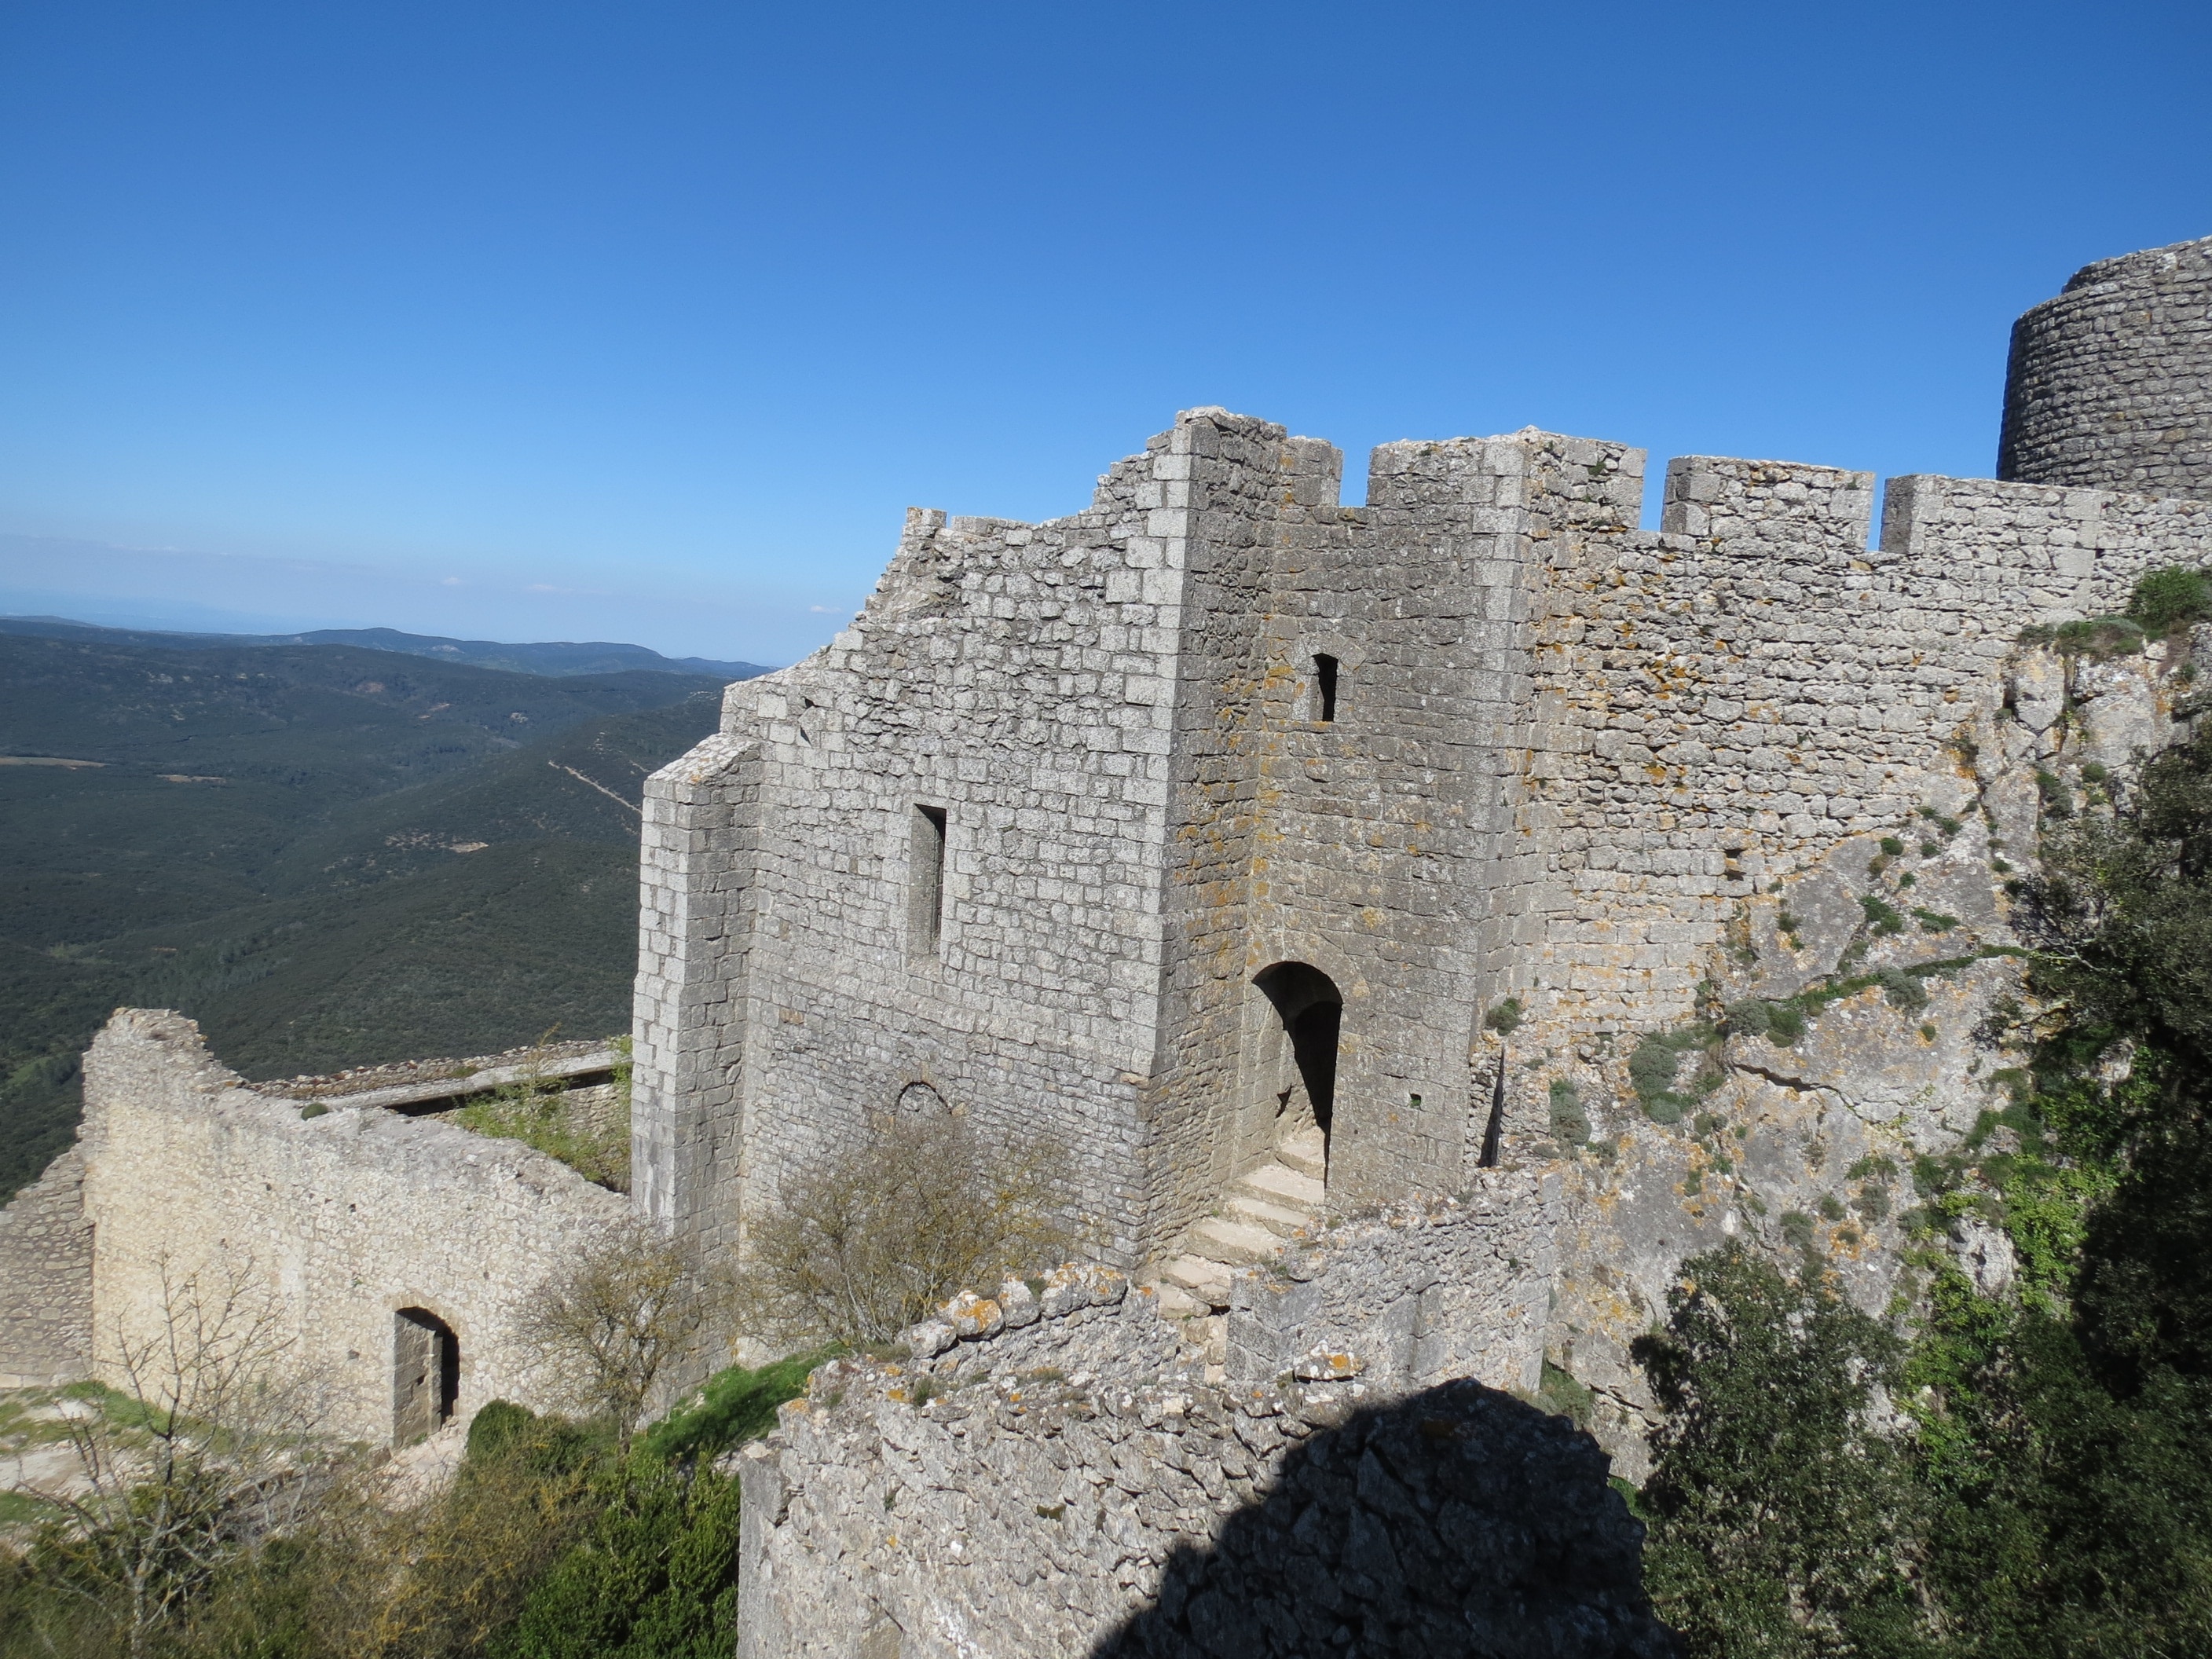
(1048,1473)
(344,1219)
(45,1279)
(1420,1295)
(1034,1516)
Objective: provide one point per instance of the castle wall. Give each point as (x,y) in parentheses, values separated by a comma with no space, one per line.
(2110,384)
(1142,810)
(1382,847)
(1566,756)
(1730,699)
(697,854)
(45,1272)
(1062,1470)
(340,1220)
(1017,680)
(1366,838)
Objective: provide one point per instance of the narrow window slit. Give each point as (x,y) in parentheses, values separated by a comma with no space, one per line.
(926,882)
(1325,687)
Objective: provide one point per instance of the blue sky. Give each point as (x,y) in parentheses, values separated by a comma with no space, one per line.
(645,321)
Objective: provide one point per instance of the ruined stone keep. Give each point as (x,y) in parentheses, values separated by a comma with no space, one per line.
(1221,807)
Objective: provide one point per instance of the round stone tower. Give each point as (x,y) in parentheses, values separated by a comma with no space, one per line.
(2110,384)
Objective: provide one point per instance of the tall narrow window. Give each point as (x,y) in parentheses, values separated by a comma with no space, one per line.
(1324,688)
(925,882)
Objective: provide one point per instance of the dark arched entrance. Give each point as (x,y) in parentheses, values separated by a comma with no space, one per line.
(1311,1010)
(425,1374)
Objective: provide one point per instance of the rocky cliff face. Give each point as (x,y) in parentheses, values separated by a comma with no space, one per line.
(1862,1014)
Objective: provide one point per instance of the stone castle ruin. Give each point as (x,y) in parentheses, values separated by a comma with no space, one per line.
(1420,926)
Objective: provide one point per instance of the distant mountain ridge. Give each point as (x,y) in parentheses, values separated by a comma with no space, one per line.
(550,657)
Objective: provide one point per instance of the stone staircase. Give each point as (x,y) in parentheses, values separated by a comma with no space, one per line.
(1262,1208)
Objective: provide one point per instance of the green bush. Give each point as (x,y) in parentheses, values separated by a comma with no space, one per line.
(2170,598)
(656,1577)
(1880,916)
(1780,1023)
(496,1426)
(1902,990)
(1570,1123)
(1656,1059)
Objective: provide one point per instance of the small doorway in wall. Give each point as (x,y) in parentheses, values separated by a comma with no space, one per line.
(425,1374)
(1311,1012)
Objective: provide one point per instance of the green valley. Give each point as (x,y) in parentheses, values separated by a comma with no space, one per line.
(327,854)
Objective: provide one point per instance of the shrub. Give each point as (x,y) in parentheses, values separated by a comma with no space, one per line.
(2171,597)
(1902,990)
(866,1241)
(1571,1125)
(1751,1018)
(2057,798)
(2092,636)
(654,1577)
(1881,917)
(604,1325)
(1780,1023)
(1505,1018)
(2127,906)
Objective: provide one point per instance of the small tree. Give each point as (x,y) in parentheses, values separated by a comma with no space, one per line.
(1784,1512)
(206,1457)
(864,1243)
(606,1326)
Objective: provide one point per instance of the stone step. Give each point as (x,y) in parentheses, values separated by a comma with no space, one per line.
(1192,1272)
(1278,1183)
(1280,1219)
(1239,1243)
(1176,1302)
(1305,1152)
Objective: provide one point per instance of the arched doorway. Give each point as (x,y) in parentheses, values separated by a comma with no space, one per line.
(425,1374)
(1311,1012)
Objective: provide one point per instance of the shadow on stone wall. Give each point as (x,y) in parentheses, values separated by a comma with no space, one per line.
(1459,1522)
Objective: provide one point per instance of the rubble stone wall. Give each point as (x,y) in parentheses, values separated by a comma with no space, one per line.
(341,1219)
(1043,1518)
(45,1279)
(1419,1295)
(1050,1473)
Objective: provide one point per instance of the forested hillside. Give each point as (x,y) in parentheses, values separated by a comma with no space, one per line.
(327,855)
